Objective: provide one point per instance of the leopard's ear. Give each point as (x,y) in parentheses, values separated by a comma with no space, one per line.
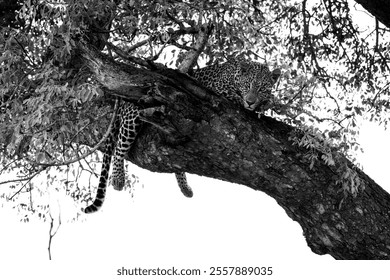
(276,74)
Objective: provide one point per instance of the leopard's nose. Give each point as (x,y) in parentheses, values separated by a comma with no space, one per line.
(250,102)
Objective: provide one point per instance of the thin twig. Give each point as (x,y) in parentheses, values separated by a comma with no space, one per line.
(29,178)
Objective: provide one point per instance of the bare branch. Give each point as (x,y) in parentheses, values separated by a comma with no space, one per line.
(139,44)
(24,185)
(201,41)
(29,178)
(127,57)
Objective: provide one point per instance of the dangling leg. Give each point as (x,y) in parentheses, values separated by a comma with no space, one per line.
(182,182)
(129,128)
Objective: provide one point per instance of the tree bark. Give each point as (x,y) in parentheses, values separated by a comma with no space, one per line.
(195,131)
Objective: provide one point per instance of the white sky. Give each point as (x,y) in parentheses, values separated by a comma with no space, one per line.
(222,225)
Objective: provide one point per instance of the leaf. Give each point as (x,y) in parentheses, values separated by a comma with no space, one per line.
(40,157)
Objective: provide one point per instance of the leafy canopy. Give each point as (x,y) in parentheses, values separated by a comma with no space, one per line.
(334,70)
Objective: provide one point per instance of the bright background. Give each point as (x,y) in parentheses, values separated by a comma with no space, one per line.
(222,225)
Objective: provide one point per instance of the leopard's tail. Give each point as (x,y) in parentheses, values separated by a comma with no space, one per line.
(101,190)
(108,152)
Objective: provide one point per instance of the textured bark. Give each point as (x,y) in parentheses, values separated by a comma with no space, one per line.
(206,135)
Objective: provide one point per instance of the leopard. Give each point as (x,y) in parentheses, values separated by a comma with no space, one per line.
(242,81)
(126,127)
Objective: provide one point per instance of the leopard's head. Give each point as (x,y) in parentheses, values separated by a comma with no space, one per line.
(255,83)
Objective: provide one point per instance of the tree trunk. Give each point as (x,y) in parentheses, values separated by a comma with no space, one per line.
(195,131)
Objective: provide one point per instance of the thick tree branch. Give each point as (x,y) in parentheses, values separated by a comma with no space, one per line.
(214,138)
